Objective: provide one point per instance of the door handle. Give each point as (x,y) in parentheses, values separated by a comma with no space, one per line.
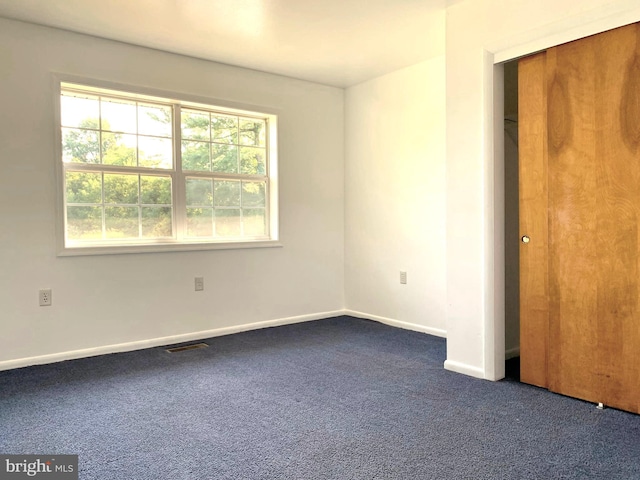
(525,239)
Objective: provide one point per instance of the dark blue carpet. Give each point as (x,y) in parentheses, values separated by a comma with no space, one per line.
(341,398)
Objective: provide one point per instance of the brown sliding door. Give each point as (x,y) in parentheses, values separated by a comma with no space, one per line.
(579,126)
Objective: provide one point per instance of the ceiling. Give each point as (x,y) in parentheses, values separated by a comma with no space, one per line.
(334,42)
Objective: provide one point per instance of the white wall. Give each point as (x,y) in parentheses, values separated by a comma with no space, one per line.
(479,33)
(395,197)
(100,301)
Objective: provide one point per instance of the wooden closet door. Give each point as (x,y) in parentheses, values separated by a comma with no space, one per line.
(618,216)
(573,245)
(580,322)
(533,193)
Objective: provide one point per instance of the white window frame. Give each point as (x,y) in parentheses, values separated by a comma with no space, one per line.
(179,241)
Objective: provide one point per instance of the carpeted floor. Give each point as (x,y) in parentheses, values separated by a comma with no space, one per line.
(341,398)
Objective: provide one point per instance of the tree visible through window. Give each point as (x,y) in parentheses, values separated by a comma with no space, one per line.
(139,171)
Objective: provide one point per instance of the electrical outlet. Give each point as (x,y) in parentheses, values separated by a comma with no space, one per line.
(199,281)
(403,278)
(45,297)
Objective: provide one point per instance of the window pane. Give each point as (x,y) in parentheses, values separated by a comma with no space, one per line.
(199,192)
(156,222)
(120,188)
(252,161)
(79,111)
(253,194)
(195,125)
(119,169)
(121,222)
(155,152)
(83,187)
(80,146)
(195,156)
(254,221)
(224,129)
(252,132)
(154,120)
(119,149)
(228,222)
(155,190)
(225,158)
(118,115)
(199,222)
(226,193)
(84,223)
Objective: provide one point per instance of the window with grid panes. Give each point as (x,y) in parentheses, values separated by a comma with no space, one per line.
(140,170)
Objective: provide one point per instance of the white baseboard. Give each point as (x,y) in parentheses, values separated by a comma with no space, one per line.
(512,353)
(397,323)
(459,367)
(161,341)
(217,332)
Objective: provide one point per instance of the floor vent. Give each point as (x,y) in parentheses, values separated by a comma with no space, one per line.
(187,347)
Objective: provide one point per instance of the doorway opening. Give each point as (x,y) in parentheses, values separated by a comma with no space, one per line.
(511,223)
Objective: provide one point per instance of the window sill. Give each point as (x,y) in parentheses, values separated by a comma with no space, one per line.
(164,248)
